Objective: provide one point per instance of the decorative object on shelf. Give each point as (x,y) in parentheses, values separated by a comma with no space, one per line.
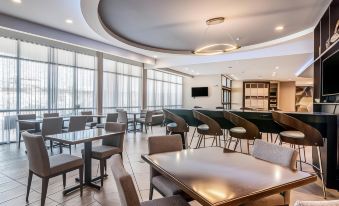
(216,48)
(335,35)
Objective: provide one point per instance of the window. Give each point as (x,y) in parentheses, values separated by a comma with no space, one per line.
(122,87)
(164,90)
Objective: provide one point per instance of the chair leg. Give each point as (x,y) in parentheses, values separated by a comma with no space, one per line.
(192,137)
(81,173)
(102,164)
(105,165)
(248,146)
(236,144)
(70,149)
(151,192)
(198,142)
(51,145)
(60,148)
(321,172)
(44,190)
(64,180)
(229,143)
(30,175)
(300,161)
(19,140)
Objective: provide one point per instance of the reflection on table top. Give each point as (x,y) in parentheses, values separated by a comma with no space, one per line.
(81,136)
(216,178)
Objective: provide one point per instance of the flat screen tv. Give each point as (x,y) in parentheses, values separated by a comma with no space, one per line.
(199,91)
(330,75)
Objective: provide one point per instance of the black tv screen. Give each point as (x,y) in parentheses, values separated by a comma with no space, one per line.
(199,91)
(330,75)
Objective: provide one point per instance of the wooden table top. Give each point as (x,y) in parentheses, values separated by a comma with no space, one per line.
(215,178)
(82,136)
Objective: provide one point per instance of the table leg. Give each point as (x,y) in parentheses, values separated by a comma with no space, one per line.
(134,122)
(99,120)
(37,127)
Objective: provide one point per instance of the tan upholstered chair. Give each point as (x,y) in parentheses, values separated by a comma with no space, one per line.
(47,167)
(283,156)
(24,126)
(46,115)
(243,129)
(301,134)
(90,121)
(209,127)
(177,126)
(128,194)
(76,123)
(110,117)
(147,120)
(122,118)
(51,125)
(317,203)
(161,144)
(110,146)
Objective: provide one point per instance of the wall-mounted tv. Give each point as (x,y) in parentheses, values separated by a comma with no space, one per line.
(199,91)
(330,75)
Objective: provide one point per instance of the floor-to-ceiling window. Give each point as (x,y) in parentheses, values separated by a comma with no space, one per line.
(38,79)
(122,87)
(164,90)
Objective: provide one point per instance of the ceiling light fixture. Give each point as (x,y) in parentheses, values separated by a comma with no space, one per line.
(218,48)
(155,56)
(276,67)
(17,1)
(69,21)
(279,28)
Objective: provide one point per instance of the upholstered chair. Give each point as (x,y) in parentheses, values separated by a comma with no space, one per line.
(90,121)
(147,120)
(24,126)
(46,115)
(110,117)
(177,125)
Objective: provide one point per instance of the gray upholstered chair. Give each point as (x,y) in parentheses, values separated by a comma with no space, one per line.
(51,125)
(147,120)
(161,144)
(76,123)
(317,203)
(128,194)
(110,146)
(177,125)
(47,167)
(25,126)
(283,156)
(111,117)
(122,118)
(90,122)
(46,115)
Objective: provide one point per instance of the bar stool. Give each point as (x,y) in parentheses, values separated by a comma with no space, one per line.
(209,127)
(243,129)
(177,126)
(301,134)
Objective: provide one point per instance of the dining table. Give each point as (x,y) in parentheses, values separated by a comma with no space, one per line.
(97,116)
(217,178)
(86,137)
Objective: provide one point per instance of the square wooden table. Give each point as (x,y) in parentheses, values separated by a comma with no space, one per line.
(213,177)
(86,137)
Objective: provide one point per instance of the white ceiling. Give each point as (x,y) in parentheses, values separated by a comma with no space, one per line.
(264,15)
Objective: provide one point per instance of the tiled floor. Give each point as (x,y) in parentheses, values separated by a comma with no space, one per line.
(13,178)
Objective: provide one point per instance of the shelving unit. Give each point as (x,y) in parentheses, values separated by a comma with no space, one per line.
(256,95)
(274,87)
(226,91)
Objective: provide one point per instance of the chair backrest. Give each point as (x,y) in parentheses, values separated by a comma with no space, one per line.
(37,154)
(143,113)
(148,117)
(89,118)
(312,135)
(284,156)
(213,126)
(77,123)
(317,203)
(181,123)
(25,125)
(117,140)
(112,117)
(252,131)
(127,192)
(46,115)
(167,143)
(119,110)
(52,125)
(122,117)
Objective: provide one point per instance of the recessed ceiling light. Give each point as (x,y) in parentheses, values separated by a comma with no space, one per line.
(17,1)
(155,56)
(276,67)
(279,28)
(273,74)
(237,39)
(198,73)
(186,68)
(69,21)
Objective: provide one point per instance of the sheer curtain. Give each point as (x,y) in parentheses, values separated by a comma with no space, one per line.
(164,90)
(121,86)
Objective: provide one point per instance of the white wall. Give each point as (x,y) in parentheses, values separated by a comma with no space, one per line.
(237,94)
(287,96)
(214,91)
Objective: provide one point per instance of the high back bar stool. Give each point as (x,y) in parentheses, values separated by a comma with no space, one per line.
(209,127)
(300,134)
(243,129)
(177,126)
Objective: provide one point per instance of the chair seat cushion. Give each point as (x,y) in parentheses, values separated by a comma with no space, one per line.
(167,201)
(104,151)
(203,127)
(141,120)
(166,187)
(292,134)
(63,162)
(240,130)
(172,125)
(317,203)
(91,124)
